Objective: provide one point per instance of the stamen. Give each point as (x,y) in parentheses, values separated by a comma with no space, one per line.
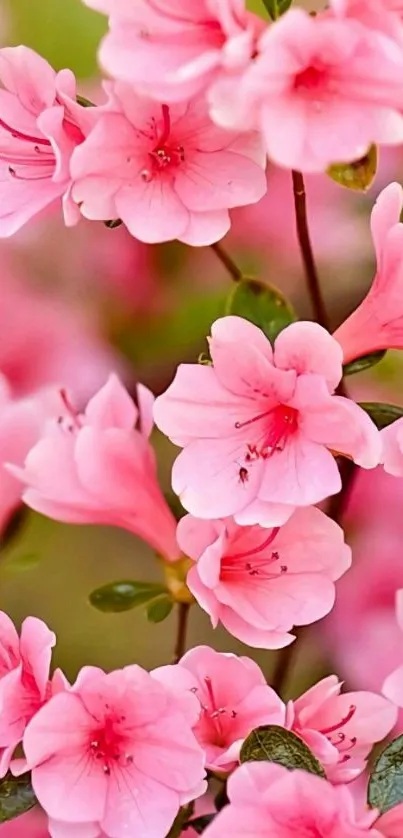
(340,724)
(257,549)
(166,117)
(18,135)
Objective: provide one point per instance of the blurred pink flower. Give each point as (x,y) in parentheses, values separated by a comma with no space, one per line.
(393,686)
(361,633)
(21,425)
(173,49)
(259,427)
(340,728)
(392,441)
(24,679)
(113,754)
(98,467)
(40,125)
(384,15)
(234,699)
(377,323)
(303,91)
(68,344)
(167,172)
(268,801)
(260,583)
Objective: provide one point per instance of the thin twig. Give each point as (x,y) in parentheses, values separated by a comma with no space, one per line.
(183,617)
(228,262)
(304,239)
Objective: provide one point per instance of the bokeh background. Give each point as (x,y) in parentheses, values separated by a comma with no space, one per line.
(81,302)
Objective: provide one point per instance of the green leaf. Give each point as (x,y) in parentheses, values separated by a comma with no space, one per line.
(84,102)
(276,8)
(113,224)
(262,304)
(364,363)
(16,797)
(382,414)
(385,788)
(160,609)
(358,175)
(275,744)
(125,595)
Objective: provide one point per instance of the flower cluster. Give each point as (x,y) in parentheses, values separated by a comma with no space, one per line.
(199,96)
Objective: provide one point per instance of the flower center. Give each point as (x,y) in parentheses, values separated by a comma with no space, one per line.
(234,566)
(165,156)
(278,425)
(108,745)
(310,79)
(338,738)
(215,715)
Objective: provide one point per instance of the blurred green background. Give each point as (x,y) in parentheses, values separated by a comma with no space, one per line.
(50,568)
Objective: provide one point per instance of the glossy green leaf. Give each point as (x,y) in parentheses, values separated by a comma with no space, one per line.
(275,744)
(364,363)
(16,797)
(382,414)
(385,788)
(358,175)
(160,609)
(276,8)
(262,304)
(124,595)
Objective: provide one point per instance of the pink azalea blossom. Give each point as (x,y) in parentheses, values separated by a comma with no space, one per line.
(377,323)
(115,754)
(97,467)
(393,686)
(341,728)
(24,679)
(268,801)
(21,424)
(69,345)
(392,456)
(259,428)
(234,699)
(260,583)
(304,90)
(166,171)
(40,125)
(173,49)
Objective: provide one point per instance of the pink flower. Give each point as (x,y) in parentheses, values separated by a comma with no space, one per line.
(97,467)
(40,125)
(393,686)
(303,91)
(234,699)
(340,728)
(268,801)
(259,583)
(173,49)
(166,171)
(114,754)
(385,15)
(69,345)
(24,679)
(21,425)
(392,440)
(259,427)
(377,323)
